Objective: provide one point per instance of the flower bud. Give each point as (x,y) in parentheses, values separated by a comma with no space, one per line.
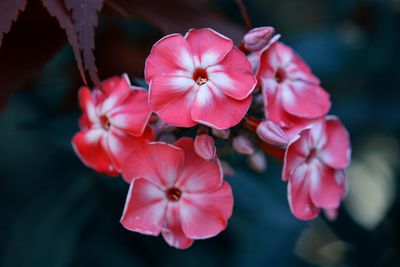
(331,214)
(258,38)
(271,133)
(227,169)
(223,133)
(205,147)
(243,145)
(257,162)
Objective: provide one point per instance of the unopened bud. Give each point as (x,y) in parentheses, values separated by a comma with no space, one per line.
(258,38)
(243,145)
(223,133)
(258,162)
(331,214)
(227,169)
(272,134)
(205,147)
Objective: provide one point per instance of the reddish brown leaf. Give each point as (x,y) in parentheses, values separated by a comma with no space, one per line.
(57,9)
(85,17)
(34,40)
(9,11)
(178,15)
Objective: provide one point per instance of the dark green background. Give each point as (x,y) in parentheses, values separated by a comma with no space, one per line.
(56,212)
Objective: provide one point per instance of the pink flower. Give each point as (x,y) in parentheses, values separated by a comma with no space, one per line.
(314,168)
(291,91)
(176,193)
(114,121)
(199,78)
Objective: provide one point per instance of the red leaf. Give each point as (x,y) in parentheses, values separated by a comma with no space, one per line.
(34,40)
(9,11)
(57,9)
(85,17)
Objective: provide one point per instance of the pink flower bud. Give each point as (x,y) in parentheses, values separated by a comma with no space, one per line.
(257,38)
(331,214)
(271,133)
(223,133)
(243,145)
(227,169)
(205,147)
(258,162)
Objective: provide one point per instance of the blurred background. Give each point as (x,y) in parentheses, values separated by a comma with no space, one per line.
(56,212)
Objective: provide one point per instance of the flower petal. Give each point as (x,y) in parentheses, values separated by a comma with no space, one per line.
(213,108)
(172,231)
(87,145)
(305,100)
(120,144)
(325,190)
(337,150)
(158,163)
(233,75)
(298,195)
(169,56)
(296,154)
(206,215)
(145,206)
(198,175)
(207,46)
(118,91)
(88,107)
(171,97)
(133,114)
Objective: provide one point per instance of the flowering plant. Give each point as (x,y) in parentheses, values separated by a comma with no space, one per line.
(259,98)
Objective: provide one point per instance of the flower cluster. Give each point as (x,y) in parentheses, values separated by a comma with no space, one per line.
(260,98)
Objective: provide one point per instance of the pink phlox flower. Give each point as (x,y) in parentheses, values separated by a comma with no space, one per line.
(114,121)
(175,192)
(314,168)
(199,78)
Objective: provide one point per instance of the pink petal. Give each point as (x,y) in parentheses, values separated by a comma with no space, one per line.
(214,109)
(233,75)
(159,163)
(271,133)
(120,144)
(87,145)
(118,91)
(325,190)
(299,197)
(206,215)
(169,56)
(204,146)
(296,154)
(207,46)
(171,97)
(145,206)
(337,150)
(88,107)
(198,175)
(305,100)
(172,231)
(133,114)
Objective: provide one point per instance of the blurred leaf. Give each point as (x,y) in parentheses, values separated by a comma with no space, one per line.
(35,39)
(179,16)
(372,181)
(85,17)
(9,11)
(57,9)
